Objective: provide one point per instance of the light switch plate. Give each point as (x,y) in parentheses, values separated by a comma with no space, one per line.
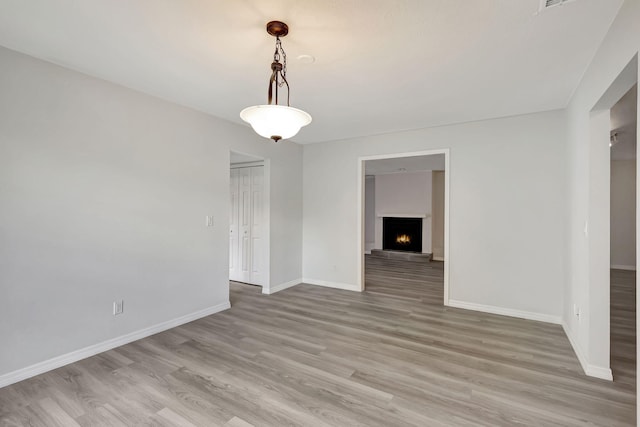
(118,307)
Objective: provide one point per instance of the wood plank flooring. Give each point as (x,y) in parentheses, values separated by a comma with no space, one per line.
(313,356)
(623,326)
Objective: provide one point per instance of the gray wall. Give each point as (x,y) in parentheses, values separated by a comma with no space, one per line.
(507,209)
(369,213)
(623,214)
(104,193)
(437,223)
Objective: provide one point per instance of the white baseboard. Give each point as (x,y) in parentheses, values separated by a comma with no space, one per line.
(335,285)
(624,267)
(506,311)
(590,370)
(599,372)
(437,258)
(281,287)
(83,353)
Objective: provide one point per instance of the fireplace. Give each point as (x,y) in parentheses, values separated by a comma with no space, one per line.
(402,234)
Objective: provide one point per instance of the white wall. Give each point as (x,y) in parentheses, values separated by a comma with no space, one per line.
(588,188)
(598,310)
(623,214)
(406,193)
(507,209)
(104,193)
(369,213)
(437,219)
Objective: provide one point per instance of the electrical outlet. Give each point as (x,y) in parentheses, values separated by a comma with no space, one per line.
(209,220)
(118,307)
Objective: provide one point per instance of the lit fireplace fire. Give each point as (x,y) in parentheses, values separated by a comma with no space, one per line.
(402,234)
(403,239)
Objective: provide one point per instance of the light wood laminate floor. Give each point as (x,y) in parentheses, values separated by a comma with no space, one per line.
(314,356)
(623,326)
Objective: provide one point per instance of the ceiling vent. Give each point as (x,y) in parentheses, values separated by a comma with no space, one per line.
(546,4)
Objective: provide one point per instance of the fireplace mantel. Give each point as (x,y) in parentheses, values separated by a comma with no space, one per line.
(403,215)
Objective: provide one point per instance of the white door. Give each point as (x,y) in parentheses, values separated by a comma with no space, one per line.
(246,245)
(257,249)
(234,229)
(244,249)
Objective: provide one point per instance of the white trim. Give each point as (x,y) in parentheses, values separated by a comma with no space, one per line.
(360,213)
(408,154)
(447,258)
(599,372)
(247,164)
(83,353)
(623,267)
(360,235)
(437,258)
(266,230)
(529,315)
(590,370)
(335,285)
(403,215)
(281,286)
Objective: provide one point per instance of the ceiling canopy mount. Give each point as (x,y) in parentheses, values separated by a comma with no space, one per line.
(277,28)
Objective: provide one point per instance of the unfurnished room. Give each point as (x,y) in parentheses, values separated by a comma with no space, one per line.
(318,213)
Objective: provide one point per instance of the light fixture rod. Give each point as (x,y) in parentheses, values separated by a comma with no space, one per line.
(278,73)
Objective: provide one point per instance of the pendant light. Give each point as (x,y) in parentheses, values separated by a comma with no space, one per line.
(275,121)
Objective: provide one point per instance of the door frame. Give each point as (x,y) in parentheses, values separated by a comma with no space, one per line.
(361,210)
(597,319)
(266,163)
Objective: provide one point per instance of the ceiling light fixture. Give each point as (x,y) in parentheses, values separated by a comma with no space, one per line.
(272,120)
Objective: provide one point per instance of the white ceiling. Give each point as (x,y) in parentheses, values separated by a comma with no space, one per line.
(381,65)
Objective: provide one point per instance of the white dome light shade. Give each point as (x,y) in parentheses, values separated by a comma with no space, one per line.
(275,121)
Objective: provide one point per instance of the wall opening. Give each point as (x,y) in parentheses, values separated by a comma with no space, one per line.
(596,312)
(401,189)
(623,148)
(248,221)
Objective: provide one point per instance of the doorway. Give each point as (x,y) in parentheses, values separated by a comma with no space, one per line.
(404,189)
(597,298)
(623,149)
(248,220)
